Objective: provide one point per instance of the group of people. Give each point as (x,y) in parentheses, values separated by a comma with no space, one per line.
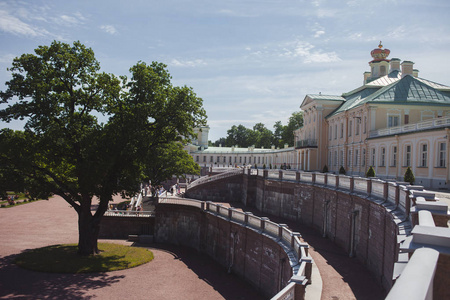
(12,198)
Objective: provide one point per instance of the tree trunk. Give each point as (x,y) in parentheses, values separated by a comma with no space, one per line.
(88,230)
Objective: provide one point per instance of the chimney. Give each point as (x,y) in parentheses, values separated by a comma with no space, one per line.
(394,65)
(366,77)
(416,73)
(407,68)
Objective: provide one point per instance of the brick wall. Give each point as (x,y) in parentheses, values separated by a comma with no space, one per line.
(326,209)
(241,250)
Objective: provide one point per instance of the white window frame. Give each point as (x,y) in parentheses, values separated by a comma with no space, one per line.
(382,156)
(442,154)
(394,156)
(408,153)
(423,155)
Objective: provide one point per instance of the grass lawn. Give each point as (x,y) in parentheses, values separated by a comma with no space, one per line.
(64,259)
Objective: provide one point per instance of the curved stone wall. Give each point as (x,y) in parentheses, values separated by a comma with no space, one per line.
(252,255)
(366,227)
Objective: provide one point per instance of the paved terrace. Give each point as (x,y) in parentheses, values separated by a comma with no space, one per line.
(175,273)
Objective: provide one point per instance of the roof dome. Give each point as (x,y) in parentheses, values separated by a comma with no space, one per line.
(380,54)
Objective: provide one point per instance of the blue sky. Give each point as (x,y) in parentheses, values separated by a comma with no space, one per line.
(250,61)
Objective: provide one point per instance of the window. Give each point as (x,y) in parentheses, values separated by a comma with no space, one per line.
(218,159)
(335,132)
(382,156)
(394,156)
(342,158)
(204,158)
(229,160)
(330,133)
(373,157)
(408,156)
(356,157)
(349,158)
(350,126)
(240,160)
(342,130)
(423,155)
(329,158)
(197,158)
(363,161)
(358,122)
(365,124)
(259,160)
(335,158)
(211,159)
(442,154)
(224,159)
(393,120)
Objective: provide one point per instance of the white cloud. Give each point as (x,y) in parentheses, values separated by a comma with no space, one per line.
(109,29)
(319,33)
(187,63)
(11,24)
(305,50)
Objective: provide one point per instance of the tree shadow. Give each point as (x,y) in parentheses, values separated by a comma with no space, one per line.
(230,286)
(19,283)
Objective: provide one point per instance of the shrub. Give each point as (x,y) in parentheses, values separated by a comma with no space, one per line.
(342,170)
(270,166)
(370,172)
(325,169)
(264,166)
(409,176)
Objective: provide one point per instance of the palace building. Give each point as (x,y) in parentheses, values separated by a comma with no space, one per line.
(395,120)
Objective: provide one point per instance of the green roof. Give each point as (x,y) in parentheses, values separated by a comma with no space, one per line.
(407,90)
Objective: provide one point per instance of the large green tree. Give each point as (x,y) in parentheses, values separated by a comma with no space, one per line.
(91,135)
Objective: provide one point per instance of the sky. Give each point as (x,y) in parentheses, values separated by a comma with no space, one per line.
(250,61)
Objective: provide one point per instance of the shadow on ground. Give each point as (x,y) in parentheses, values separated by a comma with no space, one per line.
(229,286)
(362,283)
(19,283)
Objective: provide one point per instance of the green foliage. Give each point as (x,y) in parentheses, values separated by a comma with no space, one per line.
(325,169)
(409,176)
(370,172)
(270,166)
(342,170)
(260,136)
(64,259)
(65,150)
(264,166)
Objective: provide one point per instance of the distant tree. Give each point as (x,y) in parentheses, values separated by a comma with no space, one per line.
(264,136)
(65,150)
(409,176)
(222,141)
(370,172)
(237,136)
(295,122)
(278,134)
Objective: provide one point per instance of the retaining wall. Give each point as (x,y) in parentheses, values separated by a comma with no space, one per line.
(371,237)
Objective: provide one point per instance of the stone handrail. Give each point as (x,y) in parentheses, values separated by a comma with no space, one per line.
(129,213)
(206,179)
(296,251)
(434,123)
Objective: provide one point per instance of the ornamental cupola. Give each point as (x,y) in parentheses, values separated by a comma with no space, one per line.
(379,66)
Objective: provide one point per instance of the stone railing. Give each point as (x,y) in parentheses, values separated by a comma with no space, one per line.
(296,251)
(205,179)
(421,276)
(428,124)
(129,213)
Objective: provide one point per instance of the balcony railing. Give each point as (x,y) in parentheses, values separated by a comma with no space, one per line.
(428,124)
(306,143)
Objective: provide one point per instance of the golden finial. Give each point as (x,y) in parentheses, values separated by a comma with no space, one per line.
(380,45)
